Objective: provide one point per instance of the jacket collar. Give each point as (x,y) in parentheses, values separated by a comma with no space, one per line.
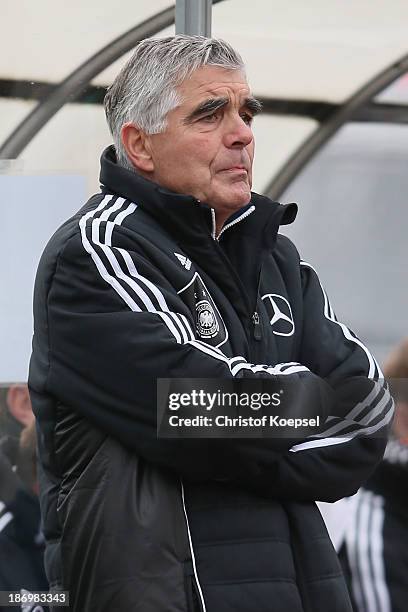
(184,216)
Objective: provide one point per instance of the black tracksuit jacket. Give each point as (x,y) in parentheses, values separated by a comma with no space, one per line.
(138,522)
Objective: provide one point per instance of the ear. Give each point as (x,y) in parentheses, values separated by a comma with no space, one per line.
(136,144)
(19,404)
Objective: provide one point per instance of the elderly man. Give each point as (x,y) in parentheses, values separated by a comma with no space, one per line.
(176,270)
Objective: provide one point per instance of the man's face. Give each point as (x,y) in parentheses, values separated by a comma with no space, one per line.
(207,148)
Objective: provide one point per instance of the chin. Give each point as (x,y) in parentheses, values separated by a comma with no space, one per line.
(239,200)
(230,195)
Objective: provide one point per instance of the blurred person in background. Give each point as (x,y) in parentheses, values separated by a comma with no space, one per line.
(16,414)
(374,554)
(177,270)
(16,410)
(21,540)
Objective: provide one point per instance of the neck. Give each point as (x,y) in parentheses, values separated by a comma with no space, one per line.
(220,219)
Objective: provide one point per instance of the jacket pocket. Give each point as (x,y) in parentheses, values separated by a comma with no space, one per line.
(192,594)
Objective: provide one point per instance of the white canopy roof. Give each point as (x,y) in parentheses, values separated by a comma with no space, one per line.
(310,50)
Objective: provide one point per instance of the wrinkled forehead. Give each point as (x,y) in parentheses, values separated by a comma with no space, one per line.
(214,81)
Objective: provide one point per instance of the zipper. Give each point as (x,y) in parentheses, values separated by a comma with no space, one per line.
(252,324)
(195,583)
(213,223)
(257,326)
(237,220)
(192,594)
(255,317)
(235,276)
(256,320)
(189,592)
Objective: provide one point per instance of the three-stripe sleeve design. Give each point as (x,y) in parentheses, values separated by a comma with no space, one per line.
(365,552)
(368,416)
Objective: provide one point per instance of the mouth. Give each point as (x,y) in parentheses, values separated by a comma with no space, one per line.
(236,169)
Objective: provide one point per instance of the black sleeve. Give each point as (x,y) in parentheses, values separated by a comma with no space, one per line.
(335,463)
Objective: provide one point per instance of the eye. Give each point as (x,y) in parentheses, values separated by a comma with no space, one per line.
(247,118)
(212,117)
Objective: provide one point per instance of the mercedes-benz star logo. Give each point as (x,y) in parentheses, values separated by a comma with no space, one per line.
(282,318)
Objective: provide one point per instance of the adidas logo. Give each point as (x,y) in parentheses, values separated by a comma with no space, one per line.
(185,261)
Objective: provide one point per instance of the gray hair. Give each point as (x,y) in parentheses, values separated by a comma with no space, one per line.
(145,90)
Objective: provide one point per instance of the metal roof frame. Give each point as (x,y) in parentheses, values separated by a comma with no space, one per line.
(78,80)
(347,112)
(194,16)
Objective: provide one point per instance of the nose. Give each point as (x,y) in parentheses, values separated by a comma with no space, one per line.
(238,134)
